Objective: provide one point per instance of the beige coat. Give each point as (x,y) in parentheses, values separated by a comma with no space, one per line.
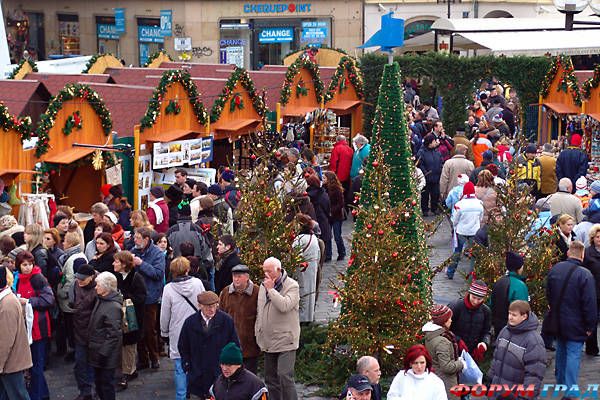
(452,168)
(566,203)
(15,355)
(488,196)
(277,326)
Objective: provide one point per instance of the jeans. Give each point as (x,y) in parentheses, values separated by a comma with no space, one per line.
(461,242)
(84,373)
(328,249)
(105,383)
(12,387)
(337,235)
(39,388)
(211,278)
(148,346)
(568,358)
(180,380)
(279,375)
(431,191)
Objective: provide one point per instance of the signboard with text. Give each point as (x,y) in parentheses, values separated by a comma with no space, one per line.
(314,31)
(149,34)
(119,20)
(276,35)
(277,8)
(182,44)
(166,22)
(107,31)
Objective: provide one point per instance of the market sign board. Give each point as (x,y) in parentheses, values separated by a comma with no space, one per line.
(166,22)
(120,20)
(180,152)
(314,31)
(277,8)
(276,35)
(150,34)
(107,31)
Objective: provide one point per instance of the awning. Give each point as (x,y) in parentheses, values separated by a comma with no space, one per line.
(297,111)
(236,125)
(15,172)
(69,156)
(596,116)
(168,136)
(344,105)
(562,108)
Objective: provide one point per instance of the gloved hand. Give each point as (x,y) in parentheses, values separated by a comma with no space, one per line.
(479,352)
(462,346)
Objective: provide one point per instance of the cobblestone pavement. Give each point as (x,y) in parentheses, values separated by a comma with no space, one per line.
(159,384)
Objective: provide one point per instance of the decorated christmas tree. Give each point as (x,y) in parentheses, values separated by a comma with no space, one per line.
(264,212)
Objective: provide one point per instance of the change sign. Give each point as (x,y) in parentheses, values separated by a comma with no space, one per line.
(276,35)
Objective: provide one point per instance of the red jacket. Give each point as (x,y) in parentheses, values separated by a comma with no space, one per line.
(41,301)
(341,161)
(163,227)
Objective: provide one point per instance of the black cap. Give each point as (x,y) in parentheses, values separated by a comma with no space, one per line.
(3,279)
(84,271)
(240,268)
(359,382)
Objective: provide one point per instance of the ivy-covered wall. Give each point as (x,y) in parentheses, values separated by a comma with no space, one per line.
(455,79)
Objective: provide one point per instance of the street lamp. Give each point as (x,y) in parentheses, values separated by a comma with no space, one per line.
(570,8)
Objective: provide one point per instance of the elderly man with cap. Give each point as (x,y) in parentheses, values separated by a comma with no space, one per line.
(158,210)
(529,169)
(472,320)
(235,381)
(202,338)
(221,209)
(507,289)
(564,202)
(572,162)
(239,300)
(358,387)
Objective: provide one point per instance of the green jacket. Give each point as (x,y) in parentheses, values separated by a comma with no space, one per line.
(507,289)
(518,289)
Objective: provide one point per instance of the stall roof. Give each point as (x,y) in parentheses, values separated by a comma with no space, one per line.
(169,136)
(596,116)
(504,24)
(562,108)
(200,70)
(326,73)
(234,126)
(298,111)
(344,105)
(134,75)
(55,82)
(69,156)
(16,94)
(271,82)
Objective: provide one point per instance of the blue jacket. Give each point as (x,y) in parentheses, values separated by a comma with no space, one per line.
(358,158)
(153,271)
(571,163)
(578,310)
(430,162)
(200,349)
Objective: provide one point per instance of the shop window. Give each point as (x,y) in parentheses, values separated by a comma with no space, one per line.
(108,38)
(234,43)
(68,32)
(17,34)
(37,36)
(150,39)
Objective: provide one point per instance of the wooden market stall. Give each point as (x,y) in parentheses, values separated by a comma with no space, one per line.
(156,59)
(100,63)
(325,57)
(345,95)
(75,116)
(303,90)
(591,108)
(22,69)
(560,98)
(24,97)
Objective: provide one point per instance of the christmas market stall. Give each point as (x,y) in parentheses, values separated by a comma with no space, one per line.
(156,59)
(591,94)
(56,82)
(100,63)
(24,67)
(560,99)
(70,134)
(303,90)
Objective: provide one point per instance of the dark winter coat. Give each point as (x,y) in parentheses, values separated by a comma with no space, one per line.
(242,385)
(133,287)
(200,348)
(88,231)
(105,332)
(84,300)
(507,289)
(591,261)
(54,267)
(40,255)
(223,276)
(562,246)
(320,201)
(578,308)
(104,262)
(336,202)
(242,307)
(520,356)
(186,231)
(430,162)
(571,163)
(471,325)
(153,271)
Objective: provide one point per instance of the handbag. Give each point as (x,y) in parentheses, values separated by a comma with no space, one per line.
(189,302)
(471,375)
(551,322)
(130,323)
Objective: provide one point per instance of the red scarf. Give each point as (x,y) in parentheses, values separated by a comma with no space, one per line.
(469,305)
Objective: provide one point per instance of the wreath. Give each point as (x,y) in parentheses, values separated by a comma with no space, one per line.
(239,75)
(342,82)
(236,102)
(173,107)
(301,89)
(73,121)
(303,61)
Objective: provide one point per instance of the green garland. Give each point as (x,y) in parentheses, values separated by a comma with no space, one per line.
(350,65)
(591,83)
(242,76)
(167,79)
(155,55)
(22,125)
(15,71)
(568,80)
(173,107)
(236,101)
(303,61)
(69,92)
(93,61)
(73,121)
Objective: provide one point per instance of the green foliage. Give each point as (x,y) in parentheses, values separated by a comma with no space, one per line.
(348,64)
(591,83)
(239,75)
(20,65)
(155,55)
(20,124)
(454,78)
(303,61)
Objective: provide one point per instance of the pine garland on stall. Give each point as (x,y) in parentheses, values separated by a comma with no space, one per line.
(591,83)
(22,125)
(235,100)
(568,81)
(155,55)
(15,71)
(338,80)
(303,61)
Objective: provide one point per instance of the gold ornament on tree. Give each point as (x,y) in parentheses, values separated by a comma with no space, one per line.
(97,160)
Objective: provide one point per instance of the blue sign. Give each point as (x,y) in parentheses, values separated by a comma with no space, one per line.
(277,8)
(150,34)
(166,22)
(107,31)
(276,35)
(314,31)
(120,20)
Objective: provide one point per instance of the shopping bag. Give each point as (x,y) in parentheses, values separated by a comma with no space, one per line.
(471,375)
(129,317)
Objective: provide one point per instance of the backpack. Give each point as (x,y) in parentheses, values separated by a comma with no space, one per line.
(232,197)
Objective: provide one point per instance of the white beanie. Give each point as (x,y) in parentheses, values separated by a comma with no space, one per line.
(581,183)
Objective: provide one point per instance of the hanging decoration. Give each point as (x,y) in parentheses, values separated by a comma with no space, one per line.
(69,92)
(22,125)
(168,78)
(591,83)
(303,61)
(236,102)
(173,107)
(15,71)
(353,77)
(239,75)
(155,55)
(568,81)
(97,160)
(73,121)
(301,89)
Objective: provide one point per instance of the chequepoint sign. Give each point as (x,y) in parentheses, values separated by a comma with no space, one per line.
(277,8)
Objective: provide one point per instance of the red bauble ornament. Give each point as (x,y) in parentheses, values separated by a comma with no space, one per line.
(277,154)
(253,156)
(369,226)
(413,203)
(267,199)
(52,172)
(375,164)
(268,214)
(354,212)
(393,223)
(529,212)
(380,232)
(395,254)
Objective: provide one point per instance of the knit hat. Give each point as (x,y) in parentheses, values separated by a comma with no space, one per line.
(227,175)
(493,168)
(531,149)
(38,282)
(514,261)
(157,191)
(174,194)
(575,140)
(3,280)
(478,288)
(595,186)
(581,183)
(428,139)
(105,189)
(468,189)
(440,314)
(207,298)
(488,155)
(231,355)
(13,253)
(84,271)
(462,179)
(116,191)
(59,216)
(215,189)
(113,218)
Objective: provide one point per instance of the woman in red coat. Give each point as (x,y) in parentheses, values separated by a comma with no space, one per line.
(32,287)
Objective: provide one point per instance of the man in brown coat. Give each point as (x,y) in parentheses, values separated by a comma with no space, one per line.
(460,138)
(548,171)
(453,168)
(239,300)
(15,356)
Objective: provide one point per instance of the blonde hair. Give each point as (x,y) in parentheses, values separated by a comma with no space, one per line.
(180,266)
(36,236)
(73,239)
(140,216)
(563,219)
(593,232)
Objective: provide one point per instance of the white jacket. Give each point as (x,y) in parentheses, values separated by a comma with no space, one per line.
(427,386)
(467,216)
